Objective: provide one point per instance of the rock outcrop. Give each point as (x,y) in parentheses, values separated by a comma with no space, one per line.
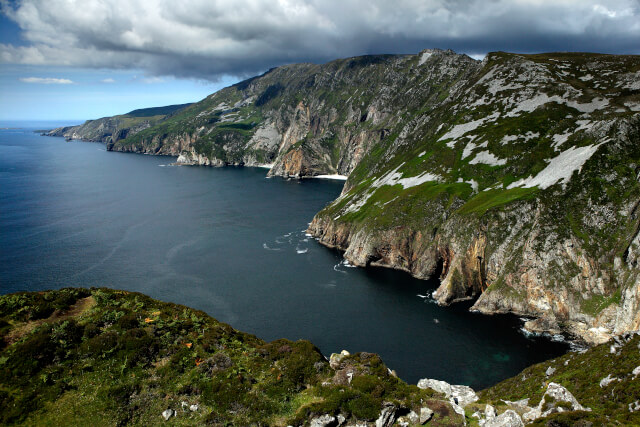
(521,192)
(515,180)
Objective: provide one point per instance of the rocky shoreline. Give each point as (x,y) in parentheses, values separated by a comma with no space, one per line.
(514,180)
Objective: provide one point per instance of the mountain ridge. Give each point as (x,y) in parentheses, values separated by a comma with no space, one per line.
(515,178)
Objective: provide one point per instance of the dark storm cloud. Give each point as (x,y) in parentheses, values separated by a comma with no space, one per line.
(207,39)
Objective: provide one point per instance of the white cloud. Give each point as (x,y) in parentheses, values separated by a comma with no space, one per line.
(205,39)
(108,80)
(46,80)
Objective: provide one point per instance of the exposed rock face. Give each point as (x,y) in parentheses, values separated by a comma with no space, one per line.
(461,395)
(459,196)
(323,421)
(387,416)
(515,180)
(550,403)
(508,418)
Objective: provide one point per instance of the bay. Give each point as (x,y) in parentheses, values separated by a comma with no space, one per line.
(231,242)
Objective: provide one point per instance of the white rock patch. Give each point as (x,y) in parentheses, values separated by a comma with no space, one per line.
(458,130)
(531,104)
(487,158)
(424,57)
(633,106)
(560,168)
(393,178)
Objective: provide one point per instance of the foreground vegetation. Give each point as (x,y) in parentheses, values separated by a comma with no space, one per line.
(108,357)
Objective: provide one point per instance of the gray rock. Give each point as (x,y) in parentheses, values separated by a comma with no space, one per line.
(607,380)
(634,406)
(336,358)
(341,419)
(508,418)
(556,393)
(460,395)
(387,416)
(522,403)
(413,417)
(425,415)
(322,421)
(194,408)
(168,413)
(458,410)
(550,371)
(636,372)
(490,412)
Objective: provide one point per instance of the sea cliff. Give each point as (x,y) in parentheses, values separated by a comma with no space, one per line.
(515,179)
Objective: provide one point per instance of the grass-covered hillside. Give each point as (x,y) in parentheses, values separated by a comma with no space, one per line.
(522,189)
(516,178)
(111,129)
(107,357)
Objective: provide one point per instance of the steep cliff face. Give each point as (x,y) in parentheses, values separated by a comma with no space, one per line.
(516,180)
(306,119)
(521,189)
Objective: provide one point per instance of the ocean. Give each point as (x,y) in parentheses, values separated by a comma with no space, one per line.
(231,242)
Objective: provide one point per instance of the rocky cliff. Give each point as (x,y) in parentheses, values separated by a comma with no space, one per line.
(520,191)
(514,179)
(112,129)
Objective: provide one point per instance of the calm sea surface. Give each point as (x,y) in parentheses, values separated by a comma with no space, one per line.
(231,242)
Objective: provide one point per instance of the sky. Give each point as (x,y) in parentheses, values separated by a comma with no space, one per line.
(85,59)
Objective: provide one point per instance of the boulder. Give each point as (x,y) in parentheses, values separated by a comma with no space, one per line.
(490,412)
(548,404)
(461,395)
(425,415)
(168,413)
(387,416)
(336,358)
(413,417)
(322,421)
(508,418)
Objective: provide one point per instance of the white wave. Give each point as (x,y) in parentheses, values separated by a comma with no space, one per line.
(346,264)
(336,268)
(423,296)
(436,321)
(302,251)
(527,333)
(264,245)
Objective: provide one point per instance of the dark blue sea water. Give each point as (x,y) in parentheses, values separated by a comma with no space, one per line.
(230,241)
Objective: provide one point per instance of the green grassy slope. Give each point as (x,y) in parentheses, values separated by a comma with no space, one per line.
(108,357)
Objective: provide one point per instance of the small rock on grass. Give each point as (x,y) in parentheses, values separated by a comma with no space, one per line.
(168,413)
